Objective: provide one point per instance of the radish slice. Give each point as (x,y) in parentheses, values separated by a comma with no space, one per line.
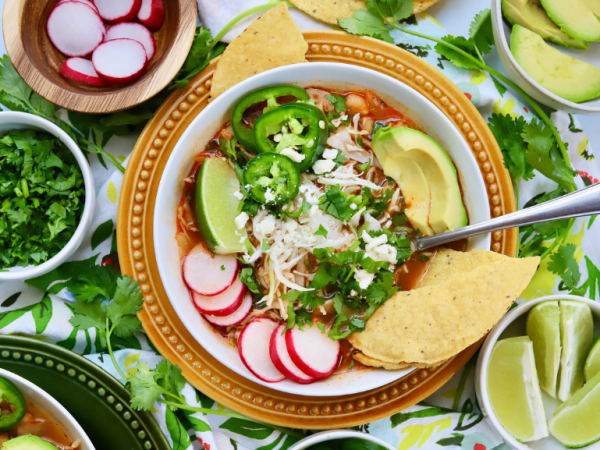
(312,351)
(281,358)
(114,11)
(135,31)
(236,317)
(85,2)
(75,28)
(253,346)
(152,14)
(207,273)
(222,304)
(120,61)
(82,70)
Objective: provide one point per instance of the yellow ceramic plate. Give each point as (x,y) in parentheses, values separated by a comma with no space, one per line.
(136,249)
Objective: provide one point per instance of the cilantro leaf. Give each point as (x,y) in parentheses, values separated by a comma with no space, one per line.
(170,377)
(228,148)
(144,389)
(336,203)
(126,304)
(321,231)
(365,23)
(481,32)
(543,154)
(507,132)
(364,166)
(455,57)
(338,101)
(248,277)
(563,264)
(396,9)
(381,289)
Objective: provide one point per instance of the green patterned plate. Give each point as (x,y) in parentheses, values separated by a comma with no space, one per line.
(97,400)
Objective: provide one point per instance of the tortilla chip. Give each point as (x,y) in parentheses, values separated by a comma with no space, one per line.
(273,40)
(446,263)
(433,323)
(330,11)
(372,362)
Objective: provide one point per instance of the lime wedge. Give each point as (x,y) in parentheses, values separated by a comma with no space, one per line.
(543,328)
(515,391)
(217,207)
(577,334)
(592,363)
(575,423)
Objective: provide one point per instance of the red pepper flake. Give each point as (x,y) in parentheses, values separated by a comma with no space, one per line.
(479,446)
(469,96)
(525,109)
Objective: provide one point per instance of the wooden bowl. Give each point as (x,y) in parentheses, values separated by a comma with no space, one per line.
(38,61)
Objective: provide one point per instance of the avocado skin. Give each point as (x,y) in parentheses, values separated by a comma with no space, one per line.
(532,15)
(397,149)
(575,18)
(28,442)
(567,77)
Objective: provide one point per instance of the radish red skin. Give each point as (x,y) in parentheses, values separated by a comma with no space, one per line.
(206,257)
(155,19)
(72,74)
(75,38)
(303,365)
(223,304)
(276,375)
(105,8)
(234,318)
(277,359)
(101,60)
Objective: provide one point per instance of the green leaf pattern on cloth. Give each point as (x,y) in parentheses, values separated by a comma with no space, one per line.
(43,307)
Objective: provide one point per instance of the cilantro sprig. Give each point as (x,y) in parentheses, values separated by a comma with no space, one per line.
(110,303)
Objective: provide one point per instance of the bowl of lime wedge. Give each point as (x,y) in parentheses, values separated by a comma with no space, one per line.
(538,374)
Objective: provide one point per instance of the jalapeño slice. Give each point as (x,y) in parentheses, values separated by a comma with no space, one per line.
(272,178)
(298,126)
(270,94)
(10,394)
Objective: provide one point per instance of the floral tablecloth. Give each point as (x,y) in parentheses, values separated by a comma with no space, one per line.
(449,418)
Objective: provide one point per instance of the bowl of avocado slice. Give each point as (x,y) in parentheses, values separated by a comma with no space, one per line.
(551,49)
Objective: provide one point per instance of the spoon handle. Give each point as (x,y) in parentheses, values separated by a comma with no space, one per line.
(584,202)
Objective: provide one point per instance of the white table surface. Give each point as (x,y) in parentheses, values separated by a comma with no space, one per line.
(456,16)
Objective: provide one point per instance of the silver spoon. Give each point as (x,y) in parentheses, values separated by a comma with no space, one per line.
(584,202)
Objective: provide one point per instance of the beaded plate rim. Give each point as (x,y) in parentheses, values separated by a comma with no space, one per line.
(100,383)
(136,251)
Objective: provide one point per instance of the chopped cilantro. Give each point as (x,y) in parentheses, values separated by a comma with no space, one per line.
(248,277)
(378,126)
(321,326)
(364,166)
(338,101)
(42,196)
(265,245)
(222,267)
(321,231)
(228,148)
(340,159)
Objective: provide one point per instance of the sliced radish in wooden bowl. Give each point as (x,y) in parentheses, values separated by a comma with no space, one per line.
(315,353)
(222,304)
(135,31)
(207,273)
(114,11)
(120,61)
(253,346)
(234,318)
(152,14)
(82,70)
(281,358)
(75,28)
(86,2)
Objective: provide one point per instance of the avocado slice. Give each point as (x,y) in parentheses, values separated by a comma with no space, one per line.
(575,18)
(594,5)
(561,74)
(426,176)
(28,442)
(532,15)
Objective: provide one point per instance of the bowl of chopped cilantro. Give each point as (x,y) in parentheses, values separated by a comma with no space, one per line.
(46,196)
